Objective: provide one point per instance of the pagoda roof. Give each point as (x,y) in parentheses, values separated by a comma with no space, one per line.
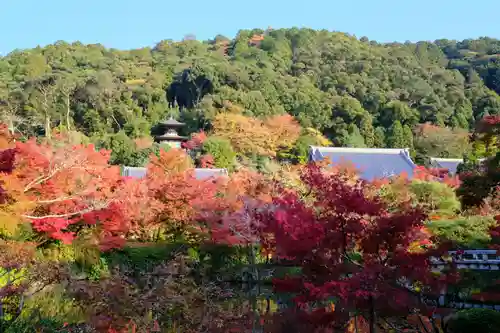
(172,122)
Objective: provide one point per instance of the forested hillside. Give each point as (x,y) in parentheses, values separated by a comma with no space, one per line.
(356,91)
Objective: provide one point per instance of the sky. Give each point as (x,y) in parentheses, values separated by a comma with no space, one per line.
(126,24)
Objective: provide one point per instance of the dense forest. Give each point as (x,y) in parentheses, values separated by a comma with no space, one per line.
(357,92)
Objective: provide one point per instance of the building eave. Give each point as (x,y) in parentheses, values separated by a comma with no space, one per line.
(384,151)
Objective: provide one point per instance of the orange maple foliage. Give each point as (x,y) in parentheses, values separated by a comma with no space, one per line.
(168,162)
(6,138)
(139,209)
(428,135)
(284,131)
(167,198)
(207,161)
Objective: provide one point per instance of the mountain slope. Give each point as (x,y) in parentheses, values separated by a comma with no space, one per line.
(331,81)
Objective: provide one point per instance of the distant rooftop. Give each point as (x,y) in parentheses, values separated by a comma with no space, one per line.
(372,163)
(446,163)
(199,173)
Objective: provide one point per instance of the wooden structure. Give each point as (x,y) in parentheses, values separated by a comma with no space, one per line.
(471,259)
(482,260)
(170,135)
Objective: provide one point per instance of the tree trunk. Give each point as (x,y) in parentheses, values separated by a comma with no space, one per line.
(11,125)
(48,133)
(373,318)
(68,111)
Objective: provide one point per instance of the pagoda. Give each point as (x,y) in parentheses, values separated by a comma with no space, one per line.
(170,136)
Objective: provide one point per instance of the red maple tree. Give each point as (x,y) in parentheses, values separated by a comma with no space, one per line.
(195,142)
(57,185)
(351,251)
(228,218)
(436,174)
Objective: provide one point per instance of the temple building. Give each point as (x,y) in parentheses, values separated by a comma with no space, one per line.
(170,135)
(450,164)
(371,163)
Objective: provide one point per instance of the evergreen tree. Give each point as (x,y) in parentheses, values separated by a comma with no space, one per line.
(396,138)
(367,131)
(355,139)
(408,137)
(379,138)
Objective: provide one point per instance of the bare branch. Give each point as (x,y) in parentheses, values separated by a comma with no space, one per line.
(40,180)
(72,214)
(56,200)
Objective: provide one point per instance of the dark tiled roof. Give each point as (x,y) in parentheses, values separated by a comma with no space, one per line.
(199,173)
(172,123)
(372,163)
(446,163)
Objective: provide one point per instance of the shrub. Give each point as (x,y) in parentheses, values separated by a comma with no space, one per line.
(435,197)
(221,151)
(467,232)
(475,320)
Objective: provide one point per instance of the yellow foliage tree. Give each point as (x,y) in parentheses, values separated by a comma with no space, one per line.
(320,139)
(253,136)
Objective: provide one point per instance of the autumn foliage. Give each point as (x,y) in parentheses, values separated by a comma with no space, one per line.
(253,136)
(57,186)
(436,174)
(481,181)
(196,141)
(228,218)
(174,191)
(350,248)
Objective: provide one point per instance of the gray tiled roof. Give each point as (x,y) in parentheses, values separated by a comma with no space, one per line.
(199,173)
(447,163)
(205,173)
(371,163)
(133,172)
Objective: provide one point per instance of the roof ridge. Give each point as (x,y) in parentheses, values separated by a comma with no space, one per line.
(132,167)
(142,171)
(446,159)
(407,157)
(361,150)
